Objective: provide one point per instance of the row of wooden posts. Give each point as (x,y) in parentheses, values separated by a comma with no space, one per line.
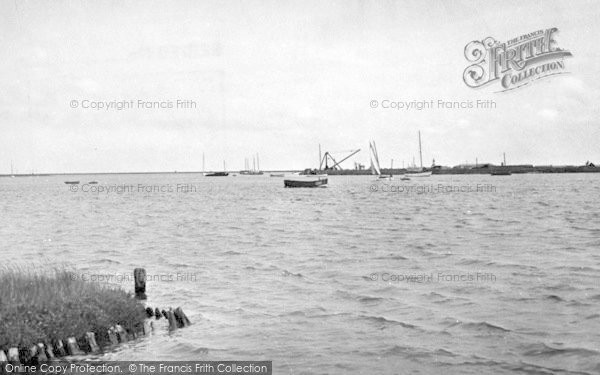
(176,318)
(116,334)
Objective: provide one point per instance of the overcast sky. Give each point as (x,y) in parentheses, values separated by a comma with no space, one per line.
(279,77)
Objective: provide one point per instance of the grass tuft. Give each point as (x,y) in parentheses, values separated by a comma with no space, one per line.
(41,306)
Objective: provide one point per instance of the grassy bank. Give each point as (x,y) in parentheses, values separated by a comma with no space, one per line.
(38,306)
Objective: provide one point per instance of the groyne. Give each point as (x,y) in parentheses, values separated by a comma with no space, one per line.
(52,315)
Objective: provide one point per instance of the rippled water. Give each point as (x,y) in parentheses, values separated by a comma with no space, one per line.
(343,279)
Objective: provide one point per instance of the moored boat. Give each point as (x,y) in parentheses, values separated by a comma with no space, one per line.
(417,174)
(300,183)
(72,182)
(217,174)
(422,172)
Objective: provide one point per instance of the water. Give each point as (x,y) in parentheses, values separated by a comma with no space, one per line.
(267,273)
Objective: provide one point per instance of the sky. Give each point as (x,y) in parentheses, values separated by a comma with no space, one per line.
(278,78)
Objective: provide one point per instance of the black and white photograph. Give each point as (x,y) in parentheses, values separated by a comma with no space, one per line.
(260,187)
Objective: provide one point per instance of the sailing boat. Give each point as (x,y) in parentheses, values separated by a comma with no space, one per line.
(219,174)
(255,167)
(422,172)
(375,168)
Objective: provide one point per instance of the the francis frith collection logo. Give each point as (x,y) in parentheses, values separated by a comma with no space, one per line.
(514,63)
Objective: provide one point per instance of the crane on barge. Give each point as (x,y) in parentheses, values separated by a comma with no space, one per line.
(327,157)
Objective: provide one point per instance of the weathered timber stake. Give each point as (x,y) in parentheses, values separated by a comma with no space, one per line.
(139,275)
(3,356)
(25,355)
(73,347)
(157,313)
(13,355)
(149,312)
(59,349)
(172,320)
(112,336)
(49,352)
(148,326)
(33,350)
(164,313)
(121,333)
(182,320)
(90,338)
(41,352)
(36,354)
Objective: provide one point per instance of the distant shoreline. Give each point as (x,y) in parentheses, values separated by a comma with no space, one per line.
(118,173)
(516,169)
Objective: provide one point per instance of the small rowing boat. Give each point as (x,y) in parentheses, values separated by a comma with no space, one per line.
(311,182)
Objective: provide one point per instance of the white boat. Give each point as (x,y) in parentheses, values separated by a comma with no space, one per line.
(375,168)
(421,172)
(417,174)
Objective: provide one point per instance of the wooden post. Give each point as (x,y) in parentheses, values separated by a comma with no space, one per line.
(73,347)
(112,336)
(157,313)
(59,349)
(139,275)
(149,312)
(41,352)
(49,352)
(37,353)
(121,333)
(33,350)
(182,320)
(25,354)
(3,357)
(172,320)
(90,338)
(13,355)
(148,325)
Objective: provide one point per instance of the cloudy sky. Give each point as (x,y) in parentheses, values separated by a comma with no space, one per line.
(279,78)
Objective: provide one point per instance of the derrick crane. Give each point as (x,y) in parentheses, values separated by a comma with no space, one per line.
(324,165)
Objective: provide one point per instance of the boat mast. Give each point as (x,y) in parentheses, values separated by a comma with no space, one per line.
(420,154)
(320,160)
(257,162)
(504,157)
(203,169)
